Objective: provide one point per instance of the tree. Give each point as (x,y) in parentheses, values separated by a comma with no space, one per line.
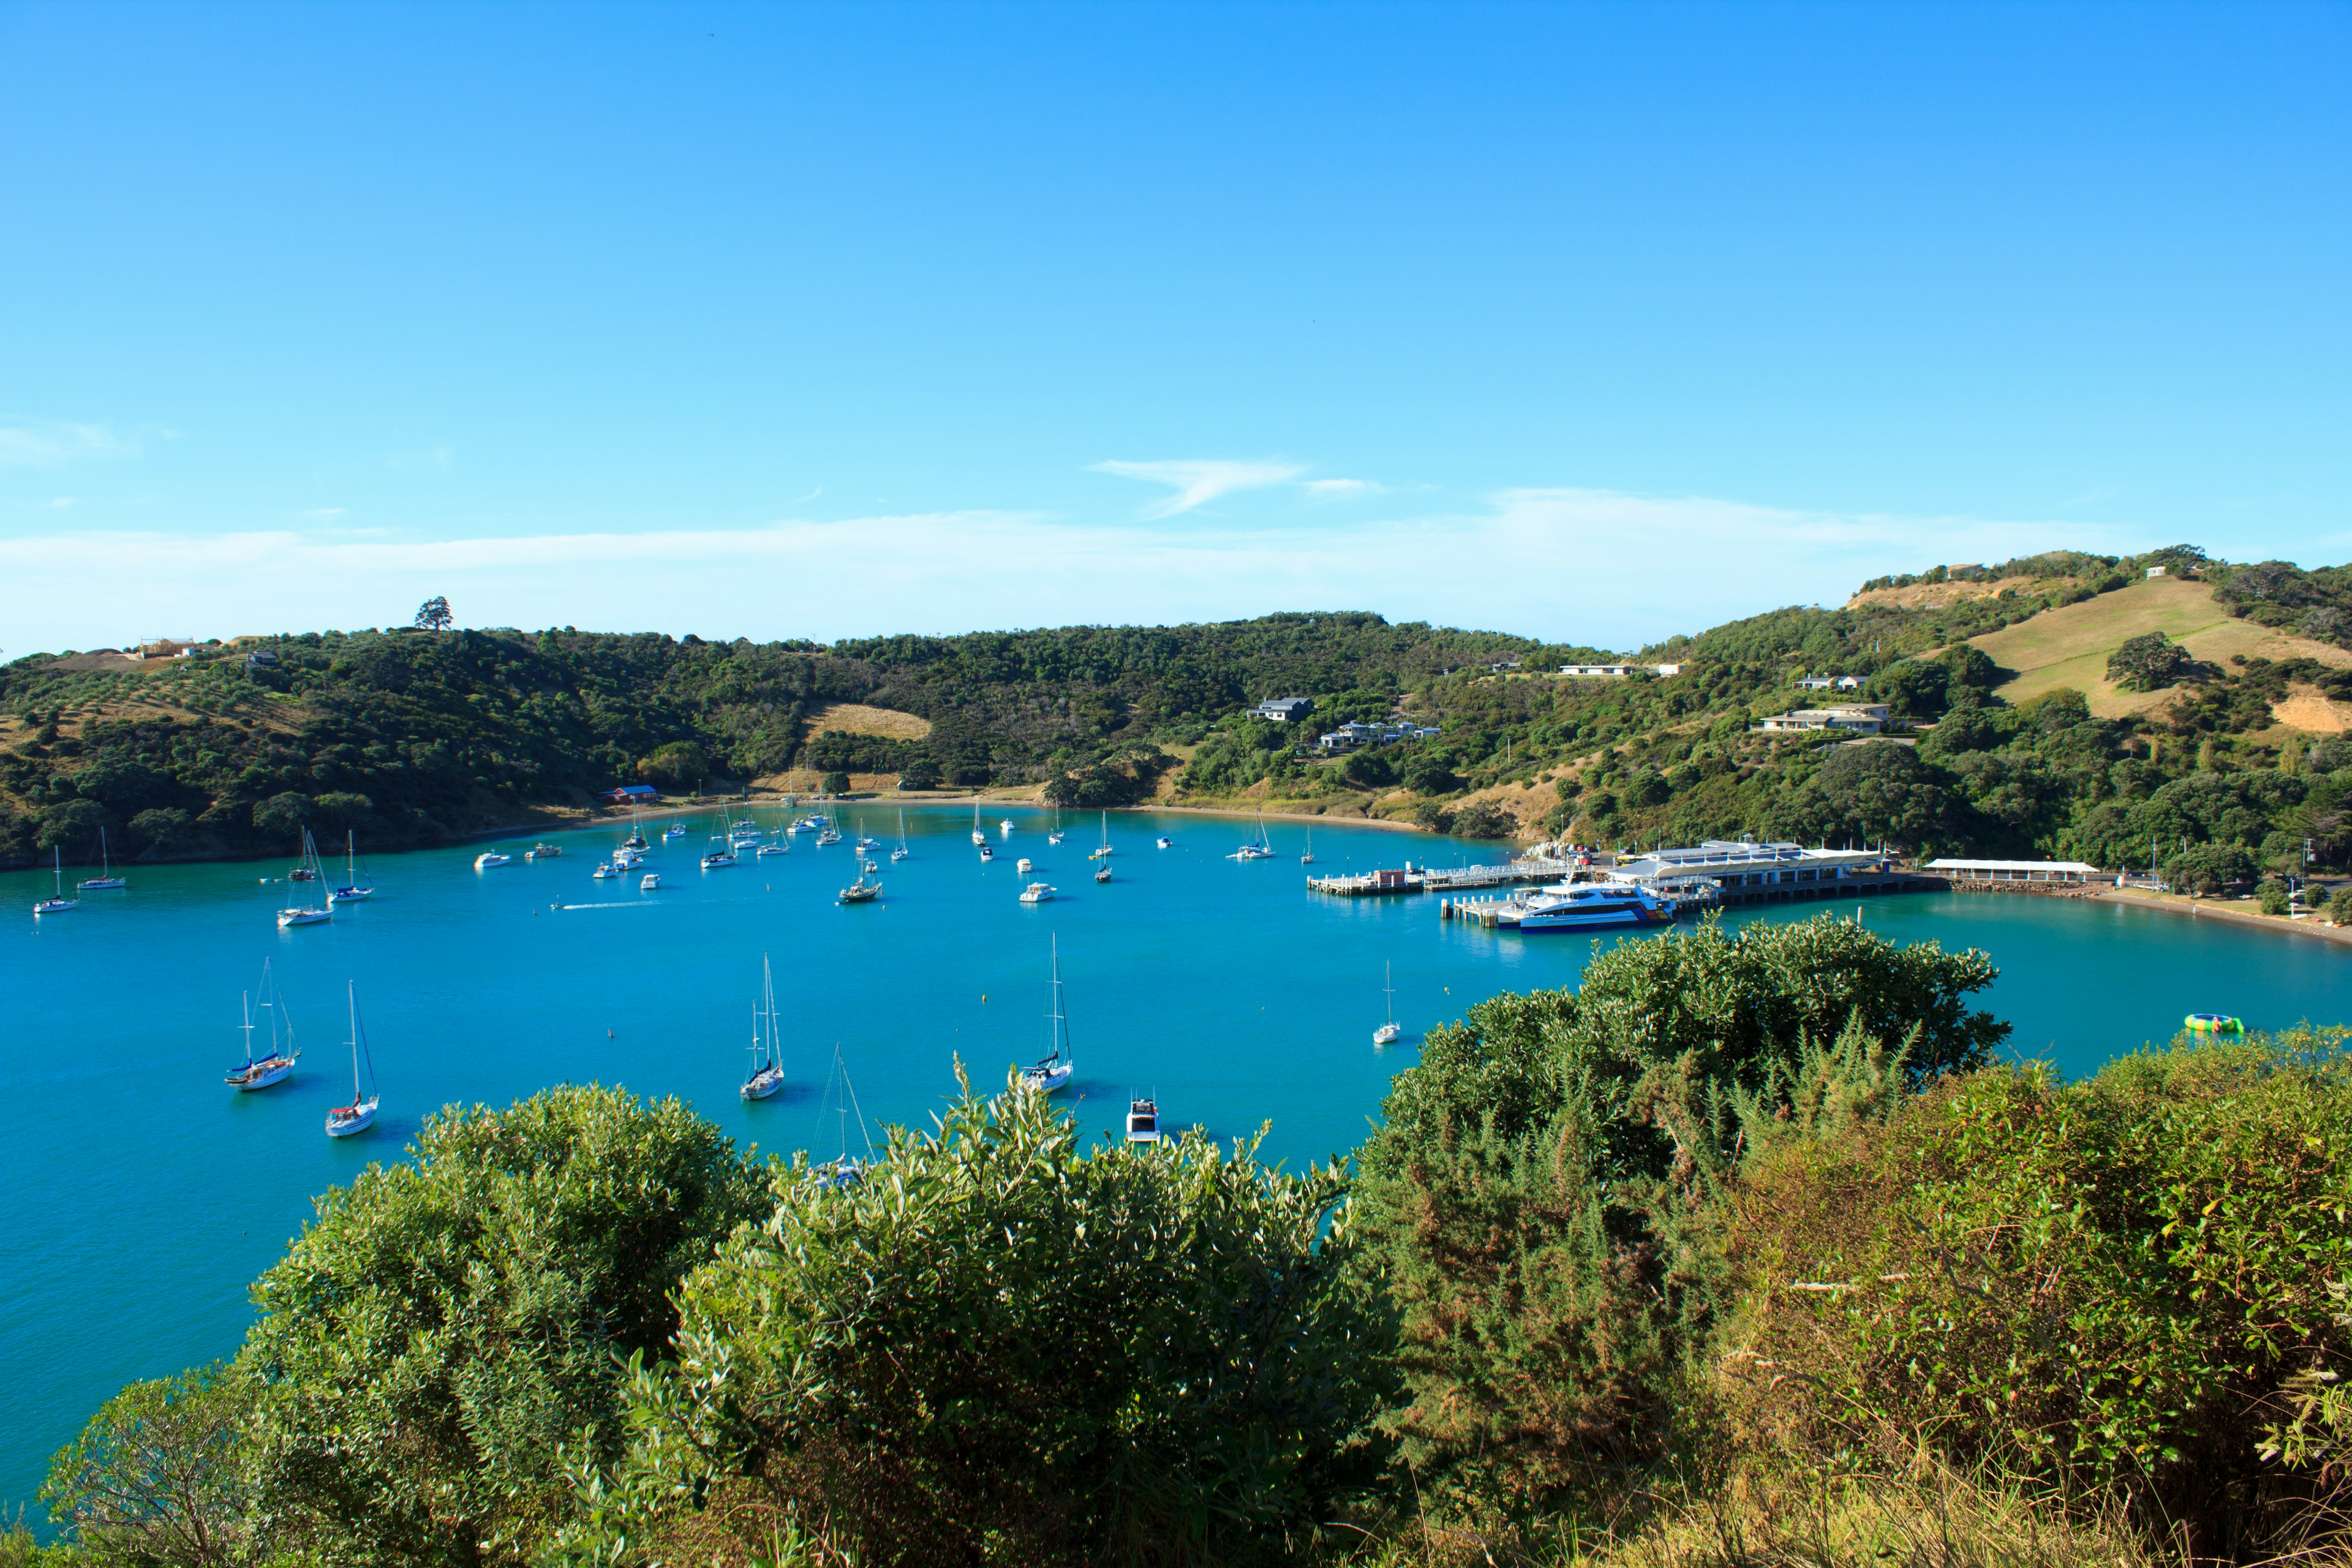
(71,825)
(921,773)
(446,1329)
(835,783)
(679,766)
(433,614)
(1536,1195)
(163,829)
(282,816)
(2270,896)
(1001,1346)
(1871,790)
(2146,662)
(155,1477)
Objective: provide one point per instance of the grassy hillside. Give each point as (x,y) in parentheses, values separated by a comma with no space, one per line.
(2018,740)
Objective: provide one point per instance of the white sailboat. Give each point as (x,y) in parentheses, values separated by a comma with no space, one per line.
(106,876)
(307,914)
(1104,853)
(1055,836)
(844,1171)
(360,1114)
(1308,858)
(58,904)
(1007,825)
(901,852)
(278,1062)
(1387,1032)
(1258,848)
(352,889)
(1052,1072)
(977,836)
(767,1060)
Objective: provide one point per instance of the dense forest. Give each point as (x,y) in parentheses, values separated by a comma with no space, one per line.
(1744,1252)
(412,735)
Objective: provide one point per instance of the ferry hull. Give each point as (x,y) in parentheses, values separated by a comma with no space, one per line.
(1617,919)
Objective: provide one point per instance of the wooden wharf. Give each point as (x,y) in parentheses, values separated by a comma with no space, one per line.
(1441,879)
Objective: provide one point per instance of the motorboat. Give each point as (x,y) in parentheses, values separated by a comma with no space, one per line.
(1143,1121)
(649,882)
(767,1056)
(861,892)
(1387,1032)
(1037,893)
(1007,827)
(605,869)
(275,1064)
(986,853)
(555,851)
(1163,842)
(106,878)
(1052,1072)
(1024,865)
(624,858)
(343,1120)
(1594,905)
(489,859)
(58,903)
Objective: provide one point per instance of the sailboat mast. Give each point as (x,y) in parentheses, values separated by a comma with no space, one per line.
(246,999)
(352,990)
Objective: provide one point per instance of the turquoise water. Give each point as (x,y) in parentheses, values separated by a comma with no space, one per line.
(142,1195)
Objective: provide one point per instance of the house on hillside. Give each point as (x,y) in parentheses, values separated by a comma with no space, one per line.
(630,795)
(1861,717)
(1598,671)
(1284,709)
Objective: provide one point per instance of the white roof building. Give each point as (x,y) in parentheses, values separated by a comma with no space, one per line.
(2016,870)
(1742,863)
(1861,717)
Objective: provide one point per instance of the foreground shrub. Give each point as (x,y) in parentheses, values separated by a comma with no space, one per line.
(999,1348)
(158,1475)
(2114,1287)
(1541,1198)
(448,1327)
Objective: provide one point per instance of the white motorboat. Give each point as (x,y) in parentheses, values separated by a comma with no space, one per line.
(649,882)
(604,869)
(1143,1121)
(1052,1072)
(1163,841)
(490,859)
(59,903)
(1024,865)
(106,876)
(343,1120)
(1007,827)
(276,1063)
(1037,893)
(767,1058)
(353,889)
(1594,905)
(1387,1032)
(307,914)
(986,853)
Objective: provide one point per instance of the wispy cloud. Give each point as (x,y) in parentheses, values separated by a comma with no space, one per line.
(1200,480)
(1342,489)
(1570,565)
(45,443)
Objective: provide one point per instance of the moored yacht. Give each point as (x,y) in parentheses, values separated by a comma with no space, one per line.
(106,876)
(1143,1121)
(278,1062)
(1052,1072)
(58,903)
(342,1121)
(767,1056)
(1037,893)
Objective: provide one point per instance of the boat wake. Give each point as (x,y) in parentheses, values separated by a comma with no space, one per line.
(630,904)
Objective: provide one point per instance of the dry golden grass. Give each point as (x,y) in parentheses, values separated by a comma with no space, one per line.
(858,719)
(2069,647)
(2307,709)
(1932,596)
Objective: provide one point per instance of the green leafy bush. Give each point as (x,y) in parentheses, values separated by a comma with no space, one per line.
(998,1348)
(446,1329)
(2107,1286)
(2146,662)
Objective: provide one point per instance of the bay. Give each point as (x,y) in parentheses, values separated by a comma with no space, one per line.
(142,1195)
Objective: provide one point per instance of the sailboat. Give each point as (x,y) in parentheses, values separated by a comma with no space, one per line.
(260,1072)
(844,1171)
(360,1114)
(901,852)
(1052,1071)
(767,1060)
(1387,1032)
(106,876)
(1105,852)
(636,839)
(1308,858)
(307,914)
(352,889)
(1055,836)
(60,903)
(1258,848)
(866,840)
(977,835)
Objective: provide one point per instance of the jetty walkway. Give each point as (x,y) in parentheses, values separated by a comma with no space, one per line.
(1415,879)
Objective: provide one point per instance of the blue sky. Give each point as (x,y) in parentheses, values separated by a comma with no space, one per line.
(1590,323)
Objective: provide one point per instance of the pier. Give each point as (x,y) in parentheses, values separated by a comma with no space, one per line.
(1696,900)
(1440,879)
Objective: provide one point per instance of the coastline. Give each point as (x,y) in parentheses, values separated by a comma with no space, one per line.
(2132,897)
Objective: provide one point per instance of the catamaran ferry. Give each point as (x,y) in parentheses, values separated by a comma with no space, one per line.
(1595,906)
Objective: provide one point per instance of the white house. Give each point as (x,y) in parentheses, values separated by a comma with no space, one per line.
(1284,709)
(1599,672)
(1861,717)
